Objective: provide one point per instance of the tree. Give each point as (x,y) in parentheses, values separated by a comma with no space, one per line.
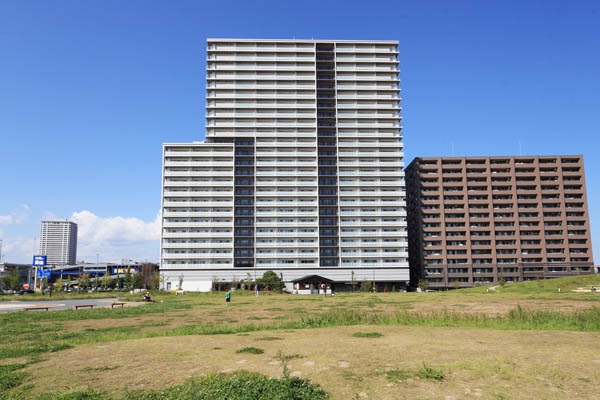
(84,281)
(12,281)
(353,282)
(366,286)
(6,282)
(246,283)
(502,282)
(423,285)
(95,281)
(112,283)
(127,280)
(15,281)
(156,281)
(59,284)
(271,281)
(137,280)
(147,275)
(105,280)
(180,286)
(162,280)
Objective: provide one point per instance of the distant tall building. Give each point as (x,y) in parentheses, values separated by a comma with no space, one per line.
(478,220)
(58,242)
(301,170)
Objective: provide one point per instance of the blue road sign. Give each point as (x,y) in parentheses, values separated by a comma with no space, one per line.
(39,261)
(43,274)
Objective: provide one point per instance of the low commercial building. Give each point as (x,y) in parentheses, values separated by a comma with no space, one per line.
(24,271)
(481,220)
(99,269)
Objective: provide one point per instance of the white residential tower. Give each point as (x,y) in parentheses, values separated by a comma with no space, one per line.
(300,171)
(58,242)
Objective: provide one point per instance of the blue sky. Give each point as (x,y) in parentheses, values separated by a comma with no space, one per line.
(90,89)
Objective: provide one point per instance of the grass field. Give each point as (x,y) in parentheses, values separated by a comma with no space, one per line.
(520,341)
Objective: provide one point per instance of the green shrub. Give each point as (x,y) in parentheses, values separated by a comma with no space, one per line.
(398,375)
(251,350)
(241,385)
(366,286)
(368,334)
(426,372)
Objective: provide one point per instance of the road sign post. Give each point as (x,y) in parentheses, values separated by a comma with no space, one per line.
(38,261)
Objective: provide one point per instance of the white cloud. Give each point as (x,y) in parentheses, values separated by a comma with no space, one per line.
(17,249)
(115,238)
(94,228)
(16,217)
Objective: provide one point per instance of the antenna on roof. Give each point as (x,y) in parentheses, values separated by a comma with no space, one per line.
(520,149)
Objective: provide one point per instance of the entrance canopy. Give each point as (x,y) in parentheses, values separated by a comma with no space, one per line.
(312,279)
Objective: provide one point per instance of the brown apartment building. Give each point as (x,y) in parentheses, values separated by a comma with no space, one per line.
(477,220)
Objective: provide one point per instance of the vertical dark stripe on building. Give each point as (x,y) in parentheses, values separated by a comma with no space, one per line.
(244,218)
(329,246)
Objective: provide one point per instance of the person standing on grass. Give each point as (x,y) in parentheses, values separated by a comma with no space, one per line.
(227,298)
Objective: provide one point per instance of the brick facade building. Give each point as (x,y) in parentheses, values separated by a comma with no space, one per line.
(477,220)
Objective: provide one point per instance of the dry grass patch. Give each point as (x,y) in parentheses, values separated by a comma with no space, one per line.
(495,307)
(518,364)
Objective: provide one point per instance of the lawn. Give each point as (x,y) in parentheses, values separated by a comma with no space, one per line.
(510,342)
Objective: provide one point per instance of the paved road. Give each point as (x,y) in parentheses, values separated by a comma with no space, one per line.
(10,306)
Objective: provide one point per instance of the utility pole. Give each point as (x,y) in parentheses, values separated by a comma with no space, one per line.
(35,272)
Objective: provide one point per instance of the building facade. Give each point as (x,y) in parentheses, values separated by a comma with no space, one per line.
(300,171)
(58,242)
(479,220)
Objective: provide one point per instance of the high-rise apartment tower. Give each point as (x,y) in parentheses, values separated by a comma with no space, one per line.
(300,171)
(58,242)
(480,220)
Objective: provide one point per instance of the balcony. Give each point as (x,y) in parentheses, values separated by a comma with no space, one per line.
(174,214)
(198,184)
(199,163)
(168,203)
(191,173)
(209,152)
(193,193)
(286,234)
(208,245)
(190,224)
(192,235)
